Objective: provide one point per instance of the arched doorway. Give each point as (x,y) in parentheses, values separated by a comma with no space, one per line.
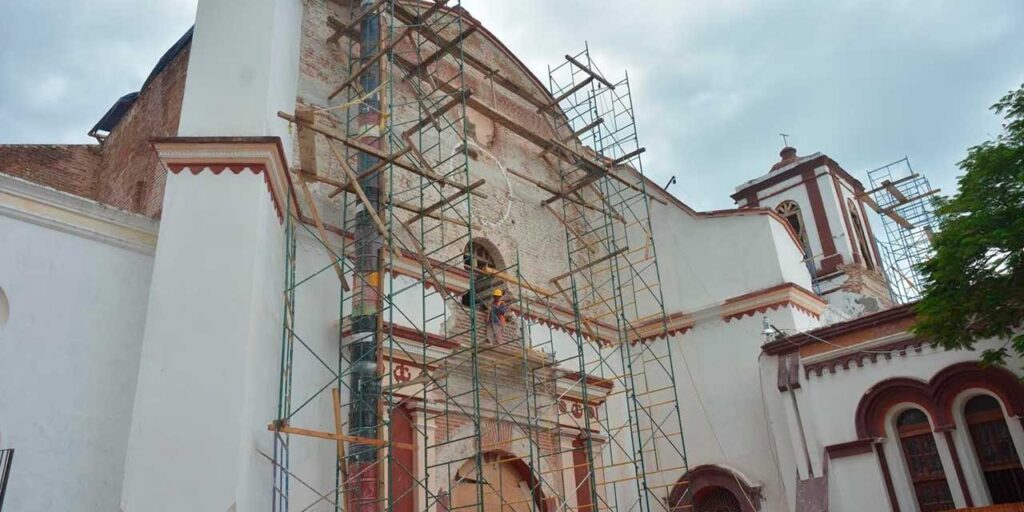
(505,482)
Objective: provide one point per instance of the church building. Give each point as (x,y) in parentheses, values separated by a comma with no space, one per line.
(355,255)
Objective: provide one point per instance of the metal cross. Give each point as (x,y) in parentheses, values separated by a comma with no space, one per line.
(785,140)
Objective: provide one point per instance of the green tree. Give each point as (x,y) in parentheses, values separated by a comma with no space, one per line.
(974,283)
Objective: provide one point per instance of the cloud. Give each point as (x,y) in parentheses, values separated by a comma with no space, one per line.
(714,82)
(64,63)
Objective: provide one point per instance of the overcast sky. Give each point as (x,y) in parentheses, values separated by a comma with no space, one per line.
(714,82)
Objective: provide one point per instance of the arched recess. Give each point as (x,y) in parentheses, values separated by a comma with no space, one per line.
(511,447)
(710,485)
(479,256)
(882,397)
(937,396)
(953,380)
(790,211)
(508,485)
(863,244)
(994,449)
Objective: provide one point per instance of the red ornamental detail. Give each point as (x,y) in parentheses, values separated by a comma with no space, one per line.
(577,410)
(216,169)
(593,411)
(402,373)
(562,407)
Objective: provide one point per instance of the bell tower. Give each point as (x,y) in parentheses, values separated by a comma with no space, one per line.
(824,206)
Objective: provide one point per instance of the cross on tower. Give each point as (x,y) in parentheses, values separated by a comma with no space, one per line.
(785,139)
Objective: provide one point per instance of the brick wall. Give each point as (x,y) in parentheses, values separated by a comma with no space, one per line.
(69,168)
(511,216)
(130,176)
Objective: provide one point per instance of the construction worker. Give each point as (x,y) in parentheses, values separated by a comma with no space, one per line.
(496,313)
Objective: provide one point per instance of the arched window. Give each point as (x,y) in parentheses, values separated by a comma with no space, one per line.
(923,463)
(995,450)
(716,499)
(791,212)
(862,241)
(478,257)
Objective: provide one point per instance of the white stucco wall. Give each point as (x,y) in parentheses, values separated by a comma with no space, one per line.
(726,419)
(828,405)
(69,352)
(705,260)
(212,338)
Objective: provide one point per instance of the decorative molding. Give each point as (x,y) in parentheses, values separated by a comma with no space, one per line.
(50,208)
(936,396)
(793,342)
(259,155)
(761,301)
(857,355)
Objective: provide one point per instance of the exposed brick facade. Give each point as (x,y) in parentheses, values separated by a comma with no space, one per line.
(70,168)
(130,176)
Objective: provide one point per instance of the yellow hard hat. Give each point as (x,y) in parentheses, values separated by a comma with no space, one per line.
(497,292)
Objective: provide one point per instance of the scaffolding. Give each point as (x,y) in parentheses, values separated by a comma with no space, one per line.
(426,396)
(614,283)
(902,198)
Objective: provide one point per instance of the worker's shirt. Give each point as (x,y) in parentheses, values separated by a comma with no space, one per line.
(498,311)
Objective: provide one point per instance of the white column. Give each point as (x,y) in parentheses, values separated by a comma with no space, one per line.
(207,384)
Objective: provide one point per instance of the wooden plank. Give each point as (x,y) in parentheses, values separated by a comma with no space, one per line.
(322,179)
(494,74)
(568,226)
(307,140)
(516,128)
(589,71)
(377,167)
(447,48)
(342,459)
(911,199)
(372,151)
(627,156)
(904,223)
(895,192)
(341,28)
(566,94)
(429,172)
(285,429)
(381,228)
(583,182)
(445,201)
(421,18)
(577,133)
(323,232)
(598,261)
(372,61)
(456,100)
(897,182)
(351,26)
(354,144)
(346,187)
